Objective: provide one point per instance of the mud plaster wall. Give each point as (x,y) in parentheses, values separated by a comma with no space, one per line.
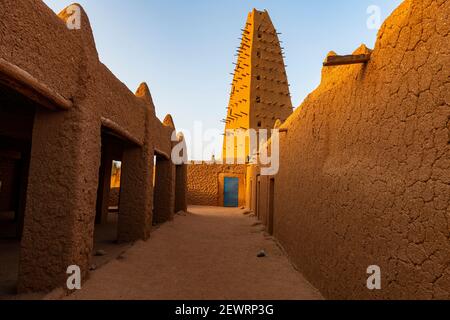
(365,166)
(66,145)
(203,182)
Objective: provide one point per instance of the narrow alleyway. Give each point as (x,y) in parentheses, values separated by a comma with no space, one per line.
(209,253)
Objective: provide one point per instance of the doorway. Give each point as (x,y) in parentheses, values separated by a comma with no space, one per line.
(271,206)
(180,188)
(164,189)
(16,128)
(258,195)
(231,192)
(108,197)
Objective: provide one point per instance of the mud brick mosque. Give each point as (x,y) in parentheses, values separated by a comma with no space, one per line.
(364,168)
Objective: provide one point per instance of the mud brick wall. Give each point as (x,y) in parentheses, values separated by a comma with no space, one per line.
(365,166)
(66,150)
(203,185)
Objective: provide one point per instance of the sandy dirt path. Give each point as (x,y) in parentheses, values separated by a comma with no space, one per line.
(209,253)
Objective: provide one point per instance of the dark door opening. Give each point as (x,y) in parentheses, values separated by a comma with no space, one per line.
(258,190)
(250,200)
(16,127)
(108,194)
(231,192)
(271,206)
(180,188)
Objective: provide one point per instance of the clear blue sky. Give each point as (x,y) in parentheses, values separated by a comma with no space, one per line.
(184,49)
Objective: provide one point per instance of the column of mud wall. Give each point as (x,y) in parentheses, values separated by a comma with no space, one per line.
(60,200)
(164,194)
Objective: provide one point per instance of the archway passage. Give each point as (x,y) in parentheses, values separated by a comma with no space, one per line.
(16,128)
(108,194)
(258,196)
(180,188)
(271,199)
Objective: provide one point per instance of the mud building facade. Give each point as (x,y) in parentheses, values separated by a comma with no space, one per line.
(364,173)
(64,119)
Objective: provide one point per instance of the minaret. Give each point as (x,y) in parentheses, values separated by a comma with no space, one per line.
(260,91)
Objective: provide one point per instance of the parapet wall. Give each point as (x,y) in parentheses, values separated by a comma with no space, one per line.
(204,182)
(365,166)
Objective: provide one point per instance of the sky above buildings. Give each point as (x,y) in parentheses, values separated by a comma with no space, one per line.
(184,50)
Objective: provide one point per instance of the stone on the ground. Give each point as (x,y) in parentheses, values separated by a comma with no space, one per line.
(100,253)
(262,254)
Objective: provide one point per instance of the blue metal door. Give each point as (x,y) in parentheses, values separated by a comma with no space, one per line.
(231,192)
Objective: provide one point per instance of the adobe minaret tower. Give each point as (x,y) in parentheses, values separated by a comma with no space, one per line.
(260,91)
